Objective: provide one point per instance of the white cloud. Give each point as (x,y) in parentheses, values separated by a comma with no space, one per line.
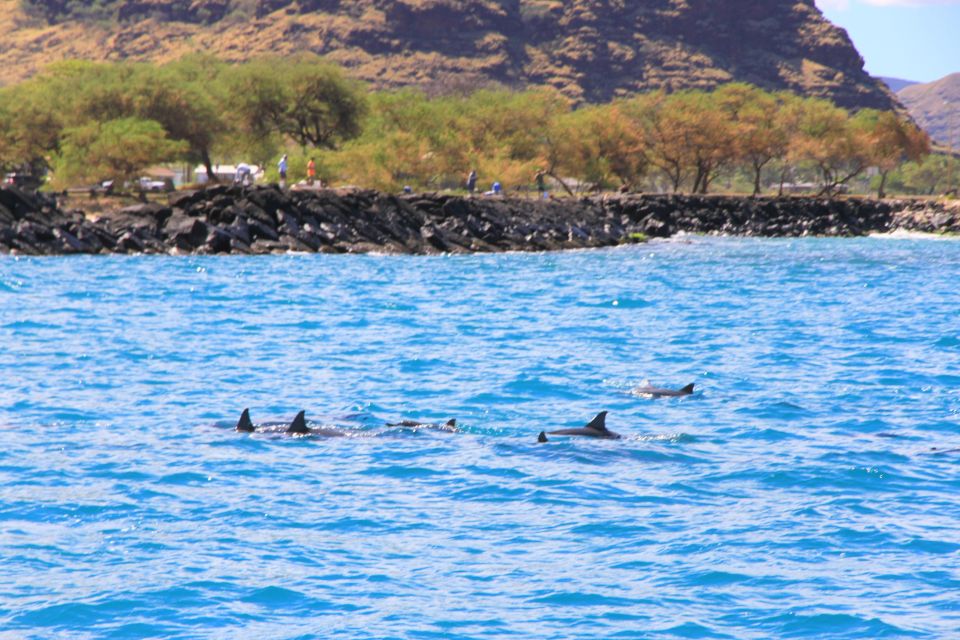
(845,4)
(912,3)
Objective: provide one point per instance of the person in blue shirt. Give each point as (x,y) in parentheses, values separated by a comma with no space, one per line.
(282,166)
(497,190)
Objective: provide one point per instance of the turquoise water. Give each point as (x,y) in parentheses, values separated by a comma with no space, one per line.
(796,494)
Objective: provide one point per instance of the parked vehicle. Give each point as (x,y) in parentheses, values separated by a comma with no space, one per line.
(149,184)
(26,181)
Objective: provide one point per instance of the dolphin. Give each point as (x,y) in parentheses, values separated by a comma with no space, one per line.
(299,425)
(449,425)
(936,451)
(244,424)
(596,428)
(657,392)
(299,428)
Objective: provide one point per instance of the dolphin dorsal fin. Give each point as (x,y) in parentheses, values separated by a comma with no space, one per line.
(687,389)
(599,423)
(299,424)
(452,422)
(245,424)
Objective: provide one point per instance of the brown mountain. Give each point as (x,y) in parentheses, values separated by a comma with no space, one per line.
(936,107)
(590,49)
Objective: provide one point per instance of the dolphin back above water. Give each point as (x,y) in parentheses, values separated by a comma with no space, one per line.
(299,425)
(244,424)
(296,428)
(596,428)
(299,428)
(659,392)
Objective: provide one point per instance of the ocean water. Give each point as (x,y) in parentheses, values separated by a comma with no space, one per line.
(807,490)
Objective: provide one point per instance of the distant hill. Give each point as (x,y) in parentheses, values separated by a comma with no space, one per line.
(897,84)
(936,108)
(591,50)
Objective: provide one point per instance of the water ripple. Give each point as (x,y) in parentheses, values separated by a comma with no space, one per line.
(807,490)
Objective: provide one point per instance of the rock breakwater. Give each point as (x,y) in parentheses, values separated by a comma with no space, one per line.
(254,220)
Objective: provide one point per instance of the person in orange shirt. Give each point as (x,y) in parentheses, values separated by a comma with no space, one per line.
(311,171)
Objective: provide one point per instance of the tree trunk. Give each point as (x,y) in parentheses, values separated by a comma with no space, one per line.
(562,183)
(882,191)
(706,180)
(829,182)
(698,181)
(208,165)
(756,180)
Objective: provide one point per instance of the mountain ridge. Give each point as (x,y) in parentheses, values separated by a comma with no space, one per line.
(897,84)
(936,107)
(590,50)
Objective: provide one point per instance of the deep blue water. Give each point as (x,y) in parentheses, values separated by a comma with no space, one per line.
(796,495)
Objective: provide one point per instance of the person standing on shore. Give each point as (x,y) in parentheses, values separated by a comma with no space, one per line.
(282,167)
(497,190)
(541,179)
(472,181)
(311,172)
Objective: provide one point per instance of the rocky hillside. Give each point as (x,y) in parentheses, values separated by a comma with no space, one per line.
(590,49)
(936,107)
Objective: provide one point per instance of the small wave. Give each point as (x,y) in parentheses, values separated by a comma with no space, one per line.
(283,598)
(71,615)
(672,438)
(939,547)
(630,303)
(11,286)
(833,625)
(404,472)
(582,599)
(694,630)
(904,234)
(24,325)
(780,410)
(769,434)
(948,342)
(184,479)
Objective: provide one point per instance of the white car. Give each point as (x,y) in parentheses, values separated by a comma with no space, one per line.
(148,184)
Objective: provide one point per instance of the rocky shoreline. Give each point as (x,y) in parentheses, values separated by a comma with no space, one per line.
(257,220)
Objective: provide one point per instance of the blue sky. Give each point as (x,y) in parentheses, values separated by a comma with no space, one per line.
(910,39)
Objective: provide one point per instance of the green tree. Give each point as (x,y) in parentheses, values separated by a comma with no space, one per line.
(936,174)
(687,135)
(601,145)
(892,140)
(30,126)
(304,99)
(759,134)
(667,141)
(183,97)
(118,149)
(405,140)
(410,138)
(831,140)
(187,97)
(506,135)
